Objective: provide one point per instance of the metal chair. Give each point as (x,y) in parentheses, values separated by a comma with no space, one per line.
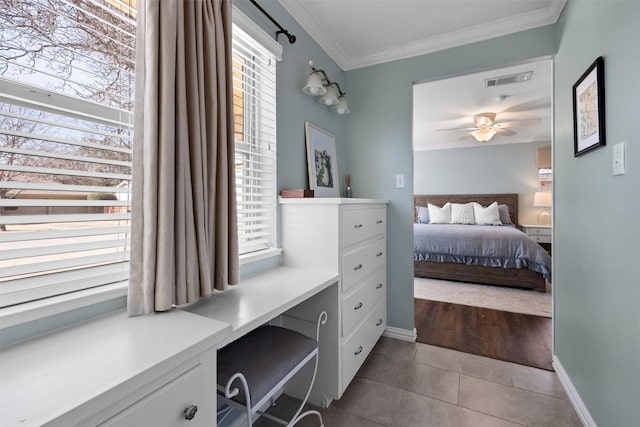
(261,363)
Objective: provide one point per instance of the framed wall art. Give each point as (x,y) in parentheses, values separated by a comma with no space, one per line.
(322,161)
(588,109)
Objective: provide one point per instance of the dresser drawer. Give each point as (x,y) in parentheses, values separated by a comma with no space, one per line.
(360,263)
(361,301)
(358,346)
(362,224)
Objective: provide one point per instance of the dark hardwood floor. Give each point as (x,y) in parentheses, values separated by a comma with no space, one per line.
(520,338)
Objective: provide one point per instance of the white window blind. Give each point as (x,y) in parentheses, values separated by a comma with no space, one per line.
(66,102)
(254,89)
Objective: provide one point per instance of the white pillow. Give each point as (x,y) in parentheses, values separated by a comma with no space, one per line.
(487,216)
(439,215)
(462,213)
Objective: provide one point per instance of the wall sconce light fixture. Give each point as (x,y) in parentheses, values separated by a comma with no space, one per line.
(318,84)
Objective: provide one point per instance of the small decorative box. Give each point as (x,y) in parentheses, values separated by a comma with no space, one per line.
(296,193)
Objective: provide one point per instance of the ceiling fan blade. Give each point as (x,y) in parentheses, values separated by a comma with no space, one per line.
(504,132)
(465,136)
(515,123)
(471,128)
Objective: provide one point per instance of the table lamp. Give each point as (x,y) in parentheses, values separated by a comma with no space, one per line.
(542,199)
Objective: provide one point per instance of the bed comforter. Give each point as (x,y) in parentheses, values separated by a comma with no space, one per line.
(489,246)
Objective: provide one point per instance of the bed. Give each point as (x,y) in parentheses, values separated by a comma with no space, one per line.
(487,254)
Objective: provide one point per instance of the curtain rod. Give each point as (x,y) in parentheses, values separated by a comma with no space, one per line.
(291,37)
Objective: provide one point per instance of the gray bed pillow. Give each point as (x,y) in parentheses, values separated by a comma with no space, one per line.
(422,215)
(505,218)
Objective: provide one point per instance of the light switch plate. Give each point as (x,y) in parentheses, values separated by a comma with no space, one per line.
(400,181)
(618,159)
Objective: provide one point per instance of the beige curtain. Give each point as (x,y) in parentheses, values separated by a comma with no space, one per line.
(183,231)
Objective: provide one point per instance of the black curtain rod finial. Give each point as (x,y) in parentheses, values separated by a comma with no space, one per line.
(290,37)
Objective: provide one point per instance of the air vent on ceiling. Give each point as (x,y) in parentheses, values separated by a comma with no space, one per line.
(505,80)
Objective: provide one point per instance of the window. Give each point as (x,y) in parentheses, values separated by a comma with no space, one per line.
(545,173)
(66,133)
(254,108)
(66,102)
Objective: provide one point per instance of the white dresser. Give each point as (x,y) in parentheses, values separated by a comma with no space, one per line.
(347,236)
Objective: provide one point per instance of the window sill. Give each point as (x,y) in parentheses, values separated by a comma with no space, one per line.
(260,255)
(35,310)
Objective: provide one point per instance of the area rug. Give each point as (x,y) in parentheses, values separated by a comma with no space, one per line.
(496,297)
(524,339)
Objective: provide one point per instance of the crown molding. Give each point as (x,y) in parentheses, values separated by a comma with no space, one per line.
(525,21)
(301,14)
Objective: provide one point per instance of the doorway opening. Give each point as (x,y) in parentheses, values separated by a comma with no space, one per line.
(482,150)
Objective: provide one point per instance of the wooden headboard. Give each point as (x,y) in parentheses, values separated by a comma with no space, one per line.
(510,200)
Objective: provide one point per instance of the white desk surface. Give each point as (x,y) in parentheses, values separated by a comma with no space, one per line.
(65,373)
(263,297)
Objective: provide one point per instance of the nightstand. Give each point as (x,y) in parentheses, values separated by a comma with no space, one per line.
(539,233)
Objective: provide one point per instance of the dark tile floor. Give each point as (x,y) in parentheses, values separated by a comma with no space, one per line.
(407,384)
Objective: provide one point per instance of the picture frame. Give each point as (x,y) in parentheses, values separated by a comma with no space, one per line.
(589,110)
(322,161)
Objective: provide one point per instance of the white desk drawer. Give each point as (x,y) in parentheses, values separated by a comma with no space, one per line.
(361,301)
(166,406)
(358,346)
(359,225)
(359,264)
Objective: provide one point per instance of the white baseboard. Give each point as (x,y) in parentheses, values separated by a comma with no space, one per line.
(400,334)
(574,397)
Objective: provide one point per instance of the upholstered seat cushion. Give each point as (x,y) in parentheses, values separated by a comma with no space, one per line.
(264,356)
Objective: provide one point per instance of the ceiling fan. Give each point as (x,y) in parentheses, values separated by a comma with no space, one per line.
(485,127)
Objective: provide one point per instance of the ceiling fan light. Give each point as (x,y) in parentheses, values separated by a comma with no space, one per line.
(483,134)
(329,98)
(314,86)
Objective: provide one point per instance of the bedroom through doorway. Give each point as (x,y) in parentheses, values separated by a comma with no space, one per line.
(482,222)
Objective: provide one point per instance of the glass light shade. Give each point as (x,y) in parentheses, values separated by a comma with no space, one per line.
(329,98)
(341,107)
(483,134)
(542,199)
(314,85)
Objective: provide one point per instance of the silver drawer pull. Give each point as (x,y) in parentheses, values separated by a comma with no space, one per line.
(379,254)
(379,286)
(357,226)
(358,307)
(190,412)
(379,322)
(358,351)
(379,221)
(357,267)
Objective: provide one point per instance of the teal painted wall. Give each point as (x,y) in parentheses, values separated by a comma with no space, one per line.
(379,138)
(597,231)
(505,168)
(294,107)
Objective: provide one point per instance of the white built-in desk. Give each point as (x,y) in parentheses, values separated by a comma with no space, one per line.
(114,371)
(259,299)
(122,371)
